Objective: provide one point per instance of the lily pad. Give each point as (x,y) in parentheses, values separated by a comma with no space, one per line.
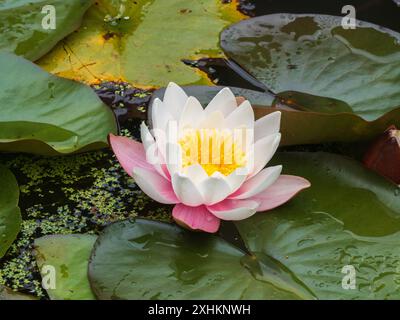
(10,214)
(21,26)
(332,75)
(154,260)
(142,42)
(44,114)
(349,218)
(69,255)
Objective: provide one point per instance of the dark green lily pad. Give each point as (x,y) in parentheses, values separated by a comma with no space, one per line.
(154,260)
(10,215)
(333,75)
(69,255)
(21,27)
(349,216)
(44,114)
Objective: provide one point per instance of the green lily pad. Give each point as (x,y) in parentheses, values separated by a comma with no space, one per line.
(44,114)
(21,27)
(349,217)
(10,215)
(332,75)
(8,294)
(154,260)
(69,255)
(142,42)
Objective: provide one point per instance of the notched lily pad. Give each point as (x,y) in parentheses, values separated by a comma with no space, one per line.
(21,26)
(44,114)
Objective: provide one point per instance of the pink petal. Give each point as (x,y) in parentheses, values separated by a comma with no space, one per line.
(285,188)
(233,210)
(130,153)
(155,186)
(196,218)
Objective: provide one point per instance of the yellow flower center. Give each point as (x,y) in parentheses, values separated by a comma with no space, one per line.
(214,149)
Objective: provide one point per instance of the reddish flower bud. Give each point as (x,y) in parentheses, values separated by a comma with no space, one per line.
(384,155)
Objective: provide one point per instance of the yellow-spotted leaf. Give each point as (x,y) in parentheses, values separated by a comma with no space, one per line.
(142,41)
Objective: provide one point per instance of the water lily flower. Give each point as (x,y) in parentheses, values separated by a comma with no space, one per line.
(194,158)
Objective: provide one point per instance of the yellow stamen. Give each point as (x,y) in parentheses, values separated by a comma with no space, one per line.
(214,149)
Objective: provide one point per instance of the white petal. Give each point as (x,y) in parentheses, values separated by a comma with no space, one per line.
(258,183)
(213,120)
(233,210)
(154,185)
(263,151)
(152,153)
(186,190)
(174,158)
(236,179)
(146,136)
(224,101)
(174,100)
(215,189)
(192,114)
(196,173)
(172,132)
(159,115)
(242,116)
(267,125)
